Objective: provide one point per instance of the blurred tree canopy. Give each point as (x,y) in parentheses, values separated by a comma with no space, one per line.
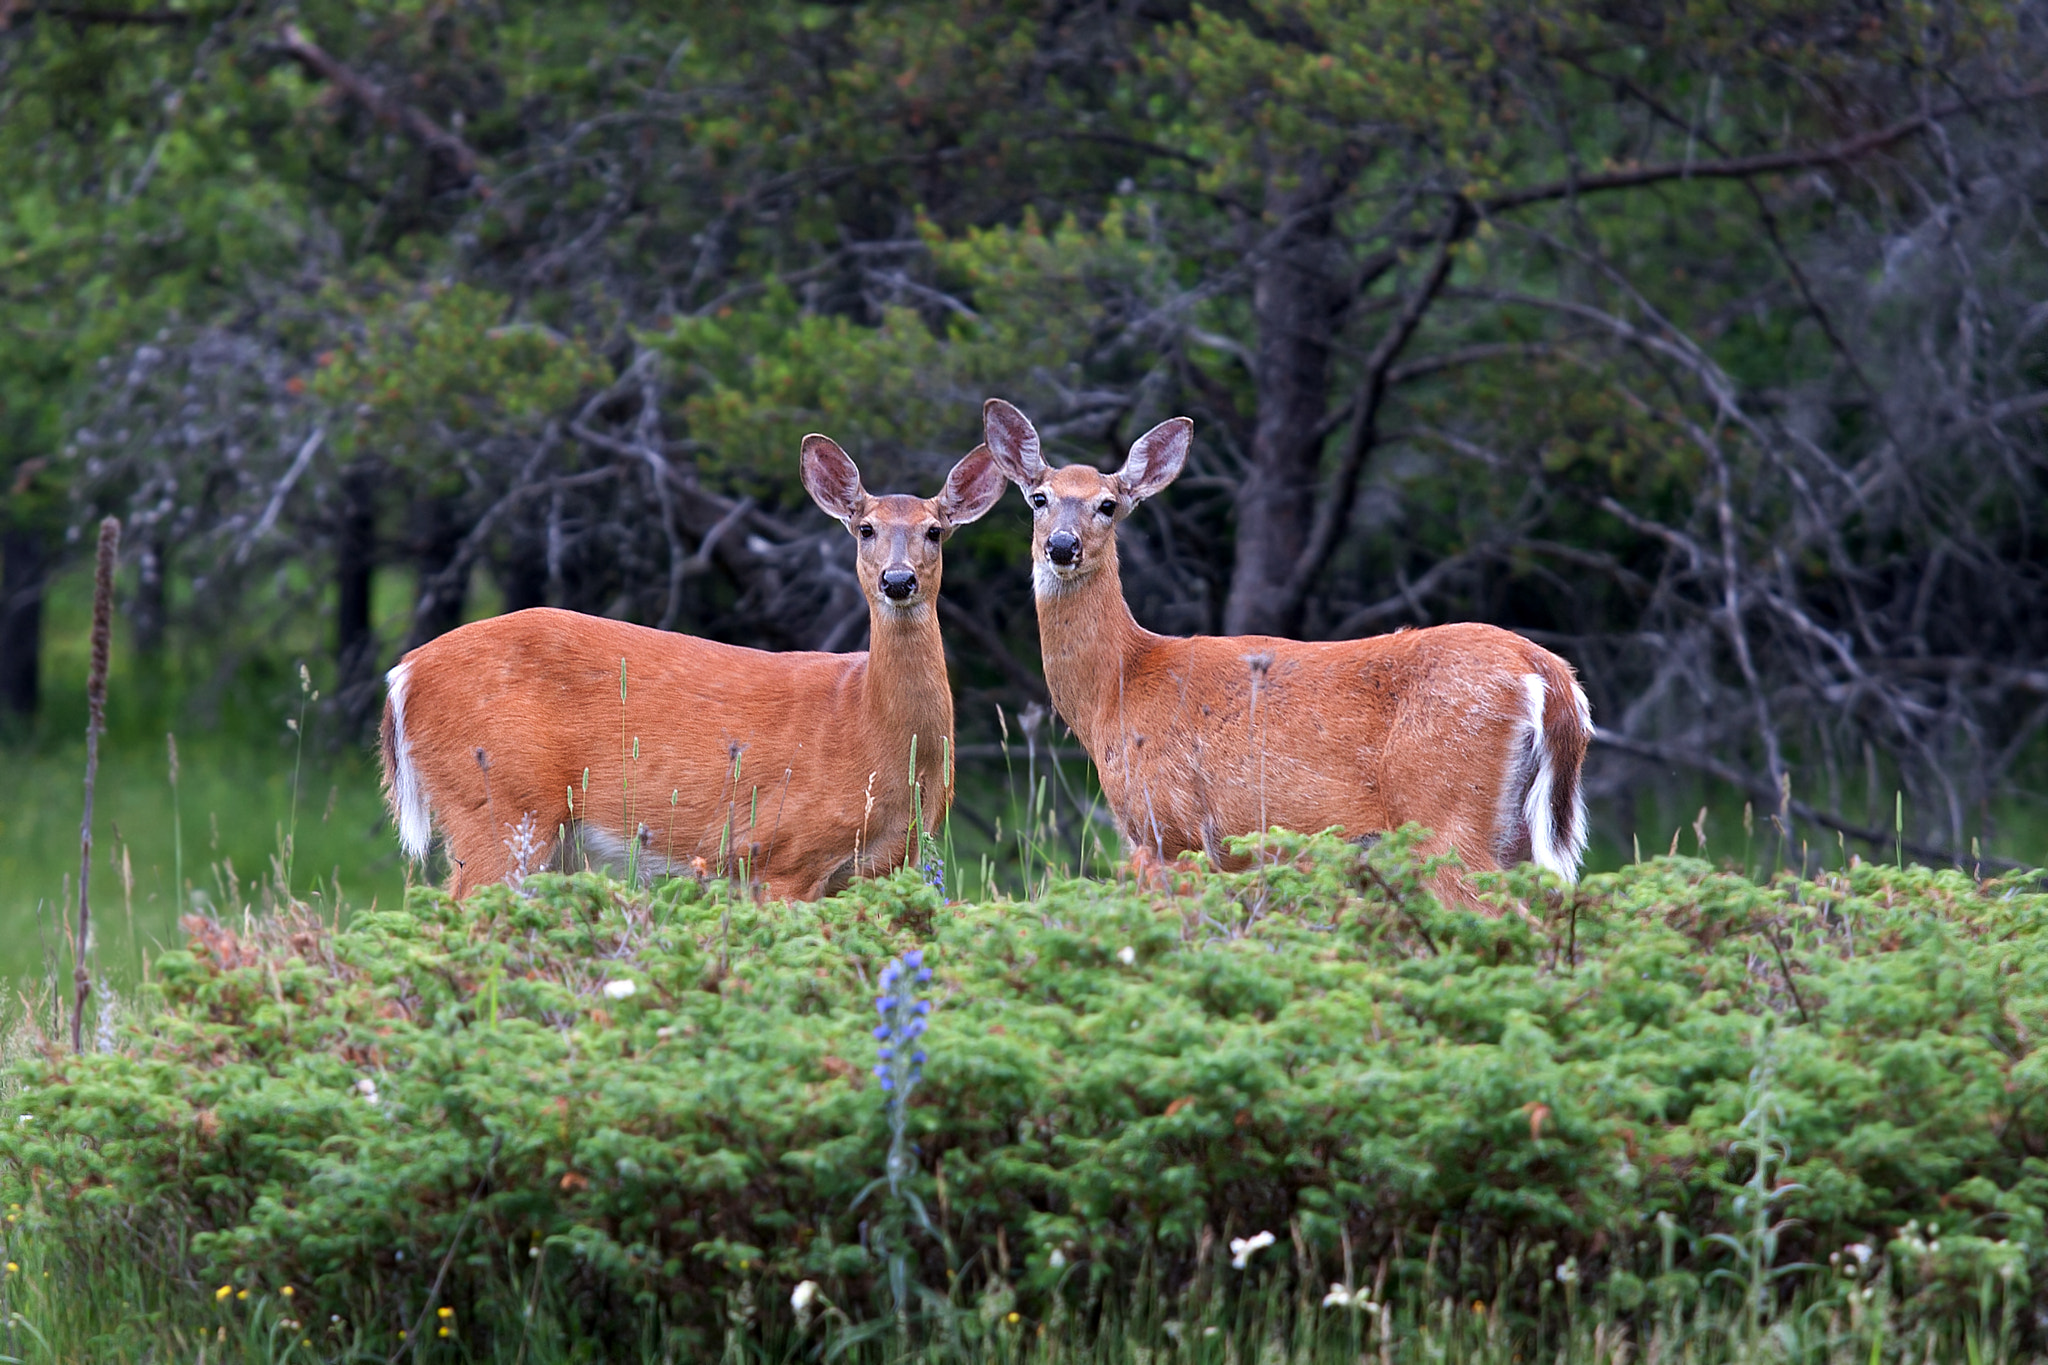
(1707,345)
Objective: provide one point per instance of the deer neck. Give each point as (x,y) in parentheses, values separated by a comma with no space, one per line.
(1088,641)
(907,695)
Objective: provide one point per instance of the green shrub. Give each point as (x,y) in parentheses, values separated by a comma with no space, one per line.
(1572,1098)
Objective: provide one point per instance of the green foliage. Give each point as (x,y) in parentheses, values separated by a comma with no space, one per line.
(1118,1083)
(423,371)
(904,396)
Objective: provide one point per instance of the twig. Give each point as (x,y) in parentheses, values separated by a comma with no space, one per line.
(1742,167)
(1400,903)
(1571,951)
(1785,970)
(416,125)
(434,1291)
(96,721)
(280,493)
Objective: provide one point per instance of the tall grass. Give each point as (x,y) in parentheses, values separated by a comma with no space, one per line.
(121,1309)
(255,786)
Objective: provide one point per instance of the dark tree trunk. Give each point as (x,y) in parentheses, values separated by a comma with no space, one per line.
(522,574)
(355,564)
(1294,296)
(438,535)
(24,570)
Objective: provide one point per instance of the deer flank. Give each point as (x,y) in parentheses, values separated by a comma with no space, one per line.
(546,738)
(1468,730)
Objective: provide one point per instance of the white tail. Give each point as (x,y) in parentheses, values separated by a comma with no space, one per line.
(1467,729)
(1553,808)
(408,798)
(548,737)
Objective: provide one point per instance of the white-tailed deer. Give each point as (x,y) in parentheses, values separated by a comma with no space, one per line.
(547,737)
(1467,729)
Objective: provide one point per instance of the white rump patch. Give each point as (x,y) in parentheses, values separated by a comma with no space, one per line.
(595,846)
(408,797)
(1559,850)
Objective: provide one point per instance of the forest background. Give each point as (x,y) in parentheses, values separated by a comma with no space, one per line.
(1706,345)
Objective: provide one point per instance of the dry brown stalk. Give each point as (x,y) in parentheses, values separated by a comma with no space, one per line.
(96,721)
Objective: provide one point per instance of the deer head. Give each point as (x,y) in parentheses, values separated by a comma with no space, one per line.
(898,536)
(1075,509)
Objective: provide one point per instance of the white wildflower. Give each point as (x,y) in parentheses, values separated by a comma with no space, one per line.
(1057,1259)
(1862,1251)
(1568,1273)
(1241,1248)
(1127,955)
(619,990)
(803,1296)
(1342,1296)
(367,1088)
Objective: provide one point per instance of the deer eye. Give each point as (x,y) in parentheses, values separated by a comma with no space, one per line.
(867,530)
(1107,507)
(1038,500)
(932,533)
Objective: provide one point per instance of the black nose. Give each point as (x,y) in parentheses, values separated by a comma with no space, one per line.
(1063,547)
(898,584)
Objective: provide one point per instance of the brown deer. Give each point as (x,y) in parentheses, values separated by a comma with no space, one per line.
(1466,729)
(546,737)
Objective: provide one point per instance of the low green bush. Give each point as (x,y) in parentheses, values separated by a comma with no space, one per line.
(1669,1084)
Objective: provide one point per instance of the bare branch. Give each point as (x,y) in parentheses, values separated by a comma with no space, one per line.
(380,104)
(1744,167)
(1334,513)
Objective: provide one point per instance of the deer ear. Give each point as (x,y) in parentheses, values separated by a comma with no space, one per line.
(831,479)
(971,489)
(1156,458)
(1013,441)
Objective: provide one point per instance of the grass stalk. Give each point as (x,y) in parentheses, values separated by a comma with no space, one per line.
(96,721)
(177,825)
(291,835)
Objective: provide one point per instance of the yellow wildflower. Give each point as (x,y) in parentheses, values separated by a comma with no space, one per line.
(444,1312)
(1014,1317)
(221,1294)
(287,1291)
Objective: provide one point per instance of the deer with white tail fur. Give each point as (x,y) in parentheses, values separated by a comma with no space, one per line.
(1467,729)
(549,738)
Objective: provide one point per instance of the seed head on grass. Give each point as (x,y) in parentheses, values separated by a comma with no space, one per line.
(96,721)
